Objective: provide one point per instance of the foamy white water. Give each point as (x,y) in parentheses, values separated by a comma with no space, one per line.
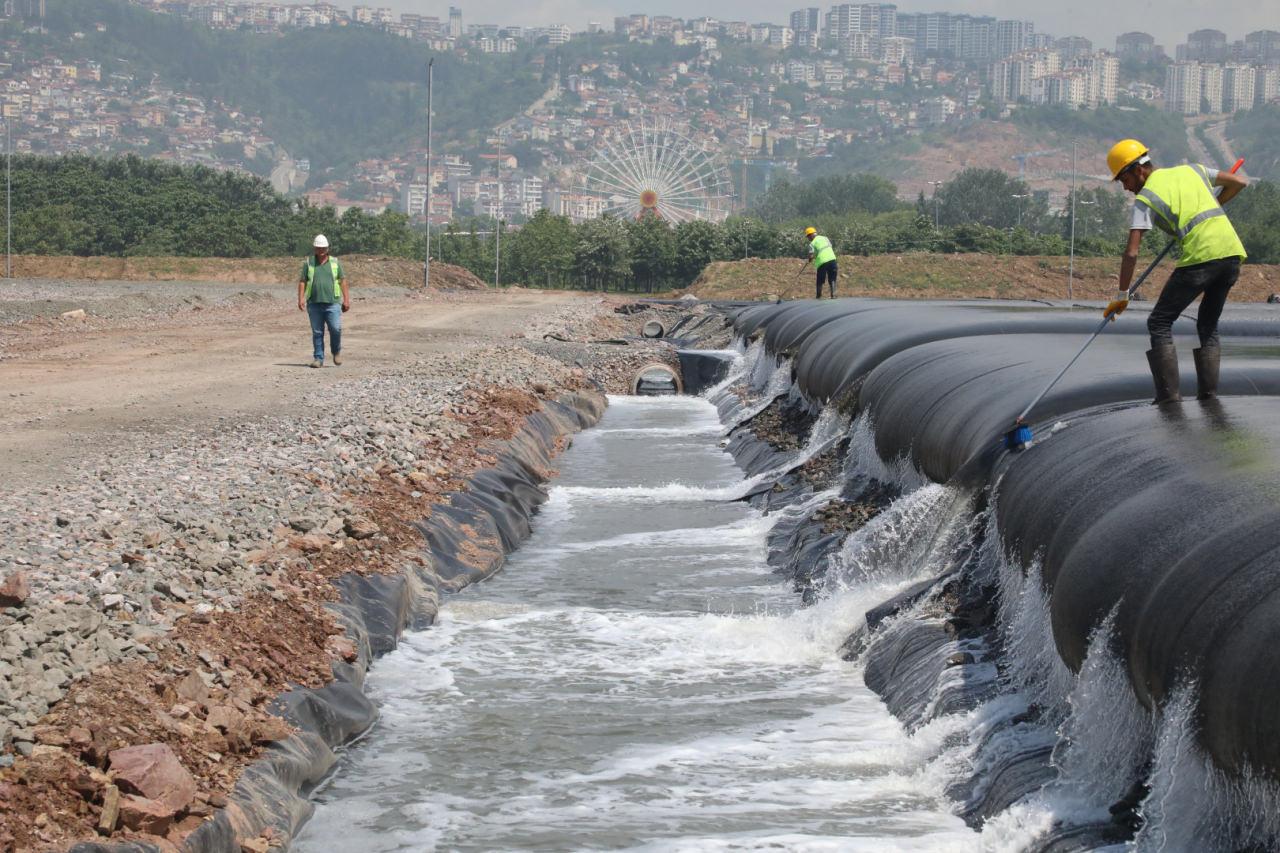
(636,678)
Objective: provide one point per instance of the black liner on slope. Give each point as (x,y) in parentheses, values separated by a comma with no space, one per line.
(496,508)
(1169,511)
(702,369)
(1171,515)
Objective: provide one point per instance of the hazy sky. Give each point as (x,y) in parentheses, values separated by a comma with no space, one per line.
(1100,20)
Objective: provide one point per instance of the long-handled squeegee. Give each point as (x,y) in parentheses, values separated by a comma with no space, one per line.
(1020,436)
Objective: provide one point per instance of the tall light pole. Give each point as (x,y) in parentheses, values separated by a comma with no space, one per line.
(426,264)
(1020,197)
(497,221)
(935,185)
(1071,264)
(8,200)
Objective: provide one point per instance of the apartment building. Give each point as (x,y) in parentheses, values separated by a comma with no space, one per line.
(1182,88)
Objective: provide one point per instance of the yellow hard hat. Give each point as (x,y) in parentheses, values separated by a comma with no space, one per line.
(1124,154)
(809,232)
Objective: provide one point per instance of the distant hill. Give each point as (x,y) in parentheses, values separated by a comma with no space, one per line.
(1255,135)
(333,95)
(1034,144)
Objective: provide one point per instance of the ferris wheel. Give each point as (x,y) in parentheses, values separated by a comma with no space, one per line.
(651,168)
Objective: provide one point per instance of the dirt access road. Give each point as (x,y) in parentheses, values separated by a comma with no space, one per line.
(168,356)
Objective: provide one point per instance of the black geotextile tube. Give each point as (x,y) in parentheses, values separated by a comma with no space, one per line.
(1170,515)
(495,511)
(943,403)
(838,342)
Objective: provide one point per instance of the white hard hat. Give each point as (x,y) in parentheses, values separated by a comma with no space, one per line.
(320,242)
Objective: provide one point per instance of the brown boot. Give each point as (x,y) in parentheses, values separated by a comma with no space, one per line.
(1164,373)
(1208,361)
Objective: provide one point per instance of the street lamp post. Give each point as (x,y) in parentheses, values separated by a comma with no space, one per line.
(935,185)
(8,200)
(1071,264)
(497,221)
(1020,197)
(426,264)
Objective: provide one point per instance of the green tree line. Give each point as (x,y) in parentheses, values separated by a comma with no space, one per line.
(79,205)
(1255,134)
(120,206)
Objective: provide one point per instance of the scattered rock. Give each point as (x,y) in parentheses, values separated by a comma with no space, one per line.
(15,590)
(142,814)
(110,810)
(193,689)
(74,314)
(153,771)
(225,719)
(309,543)
(359,527)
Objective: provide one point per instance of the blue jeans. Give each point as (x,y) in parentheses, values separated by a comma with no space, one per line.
(322,315)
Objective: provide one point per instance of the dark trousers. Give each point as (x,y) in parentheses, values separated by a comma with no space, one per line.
(827,271)
(1214,279)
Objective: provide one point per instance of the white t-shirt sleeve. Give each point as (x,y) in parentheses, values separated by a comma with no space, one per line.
(1140,218)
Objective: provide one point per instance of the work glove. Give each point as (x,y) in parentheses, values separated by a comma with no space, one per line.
(1117,305)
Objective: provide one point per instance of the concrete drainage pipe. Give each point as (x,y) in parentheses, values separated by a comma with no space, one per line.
(656,380)
(653,329)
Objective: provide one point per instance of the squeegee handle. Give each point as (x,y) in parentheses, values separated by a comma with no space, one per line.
(1132,290)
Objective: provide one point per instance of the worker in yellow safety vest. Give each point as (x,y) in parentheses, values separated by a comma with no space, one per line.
(823,257)
(324,295)
(1180,201)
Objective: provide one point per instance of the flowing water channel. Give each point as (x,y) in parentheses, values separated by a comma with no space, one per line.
(636,678)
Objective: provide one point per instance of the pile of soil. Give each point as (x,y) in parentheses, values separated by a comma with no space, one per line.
(961,276)
(365,270)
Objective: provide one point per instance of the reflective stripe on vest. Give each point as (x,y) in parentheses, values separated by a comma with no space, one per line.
(1182,199)
(822,251)
(311,274)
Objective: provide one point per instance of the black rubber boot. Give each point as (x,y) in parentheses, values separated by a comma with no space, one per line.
(1208,361)
(1164,372)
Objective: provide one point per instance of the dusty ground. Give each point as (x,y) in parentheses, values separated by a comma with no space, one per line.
(231,352)
(923,276)
(180,487)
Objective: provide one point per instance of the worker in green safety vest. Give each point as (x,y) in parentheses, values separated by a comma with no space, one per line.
(323,294)
(1180,201)
(823,257)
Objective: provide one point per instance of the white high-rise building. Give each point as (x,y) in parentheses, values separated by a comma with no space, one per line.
(1013,37)
(897,50)
(1182,83)
(1104,77)
(1238,83)
(805,20)
(1266,84)
(875,19)
(1011,79)
(1211,88)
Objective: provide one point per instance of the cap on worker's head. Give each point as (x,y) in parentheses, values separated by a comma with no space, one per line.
(1124,154)
(809,232)
(320,242)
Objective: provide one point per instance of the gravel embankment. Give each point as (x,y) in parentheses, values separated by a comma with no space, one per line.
(177,584)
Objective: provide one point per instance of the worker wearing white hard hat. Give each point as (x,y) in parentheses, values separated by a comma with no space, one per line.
(324,295)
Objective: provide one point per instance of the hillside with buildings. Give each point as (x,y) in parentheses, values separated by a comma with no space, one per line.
(522,112)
